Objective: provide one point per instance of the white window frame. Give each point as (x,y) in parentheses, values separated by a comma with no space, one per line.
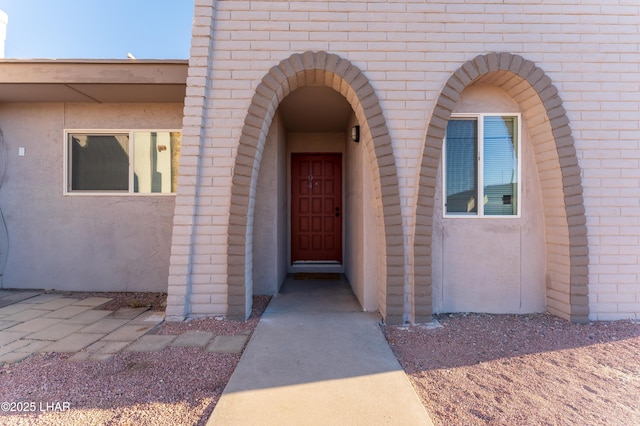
(480,162)
(108,193)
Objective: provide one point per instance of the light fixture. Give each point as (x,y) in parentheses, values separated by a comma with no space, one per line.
(355,133)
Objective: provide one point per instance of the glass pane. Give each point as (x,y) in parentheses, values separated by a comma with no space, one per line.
(500,166)
(155,161)
(461,156)
(99,162)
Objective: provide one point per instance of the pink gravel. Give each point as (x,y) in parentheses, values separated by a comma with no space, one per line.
(523,370)
(176,386)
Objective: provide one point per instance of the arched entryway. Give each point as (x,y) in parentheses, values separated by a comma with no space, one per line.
(558,172)
(315,69)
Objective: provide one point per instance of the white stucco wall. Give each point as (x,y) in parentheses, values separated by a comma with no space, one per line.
(80,242)
(408,50)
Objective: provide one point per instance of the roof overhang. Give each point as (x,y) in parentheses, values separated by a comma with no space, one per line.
(95,81)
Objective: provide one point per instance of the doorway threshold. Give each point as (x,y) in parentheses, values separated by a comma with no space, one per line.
(319,267)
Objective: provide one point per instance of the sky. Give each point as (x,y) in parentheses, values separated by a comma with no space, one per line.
(98,29)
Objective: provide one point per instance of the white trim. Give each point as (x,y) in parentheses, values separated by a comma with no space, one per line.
(112,193)
(479,117)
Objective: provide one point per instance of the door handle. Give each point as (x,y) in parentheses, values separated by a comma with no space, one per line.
(337,211)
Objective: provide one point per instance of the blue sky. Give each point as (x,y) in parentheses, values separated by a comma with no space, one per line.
(98,29)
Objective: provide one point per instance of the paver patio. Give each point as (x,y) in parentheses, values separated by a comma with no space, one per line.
(194,338)
(228,344)
(150,343)
(33,322)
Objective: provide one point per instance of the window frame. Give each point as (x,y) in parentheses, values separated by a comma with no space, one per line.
(108,193)
(479,118)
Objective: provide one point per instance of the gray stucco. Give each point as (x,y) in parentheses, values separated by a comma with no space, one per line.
(80,242)
(491,264)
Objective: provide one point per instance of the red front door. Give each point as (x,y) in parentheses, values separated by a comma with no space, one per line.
(316,207)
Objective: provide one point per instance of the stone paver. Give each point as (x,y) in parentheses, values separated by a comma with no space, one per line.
(33,325)
(149,317)
(151,343)
(25,315)
(14,346)
(106,347)
(228,344)
(93,302)
(36,322)
(12,357)
(12,297)
(7,337)
(193,338)
(128,333)
(129,313)
(89,317)
(56,332)
(67,312)
(43,298)
(6,324)
(19,296)
(56,304)
(14,309)
(104,326)
(33,346)
(72,343)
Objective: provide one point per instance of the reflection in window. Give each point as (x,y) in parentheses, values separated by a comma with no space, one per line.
(102,162)
(481,163)
(155,153)
(500,166)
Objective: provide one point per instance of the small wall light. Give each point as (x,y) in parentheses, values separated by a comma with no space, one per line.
(355,134)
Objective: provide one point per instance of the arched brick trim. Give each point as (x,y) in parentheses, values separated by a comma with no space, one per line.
(558,169)
(320,69)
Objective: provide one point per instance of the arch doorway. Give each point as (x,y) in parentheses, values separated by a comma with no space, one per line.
(308,197)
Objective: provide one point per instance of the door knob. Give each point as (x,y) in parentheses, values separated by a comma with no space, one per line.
(337,211)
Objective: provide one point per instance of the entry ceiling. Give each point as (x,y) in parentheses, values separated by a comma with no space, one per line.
(315,109)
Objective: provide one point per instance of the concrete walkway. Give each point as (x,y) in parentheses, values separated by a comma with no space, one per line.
(317,359)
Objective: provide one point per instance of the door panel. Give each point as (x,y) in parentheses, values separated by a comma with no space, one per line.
(316,207)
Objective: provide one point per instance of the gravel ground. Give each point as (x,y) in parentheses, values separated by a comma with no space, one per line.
(177,386)
(474,370)
(523,370)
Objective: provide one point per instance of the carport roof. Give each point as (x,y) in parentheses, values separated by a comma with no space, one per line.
(94,81)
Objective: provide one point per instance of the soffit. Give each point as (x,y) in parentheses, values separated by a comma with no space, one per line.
(315,109)
(92,81)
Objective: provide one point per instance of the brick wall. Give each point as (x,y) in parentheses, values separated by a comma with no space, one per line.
(408,50)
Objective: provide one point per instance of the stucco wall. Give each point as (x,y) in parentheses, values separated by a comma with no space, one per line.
(491,264)
(408,51)
(270,237)
(361,249)
(80,242)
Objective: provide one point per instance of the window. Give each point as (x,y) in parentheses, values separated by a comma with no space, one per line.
(481,165)
(144,162)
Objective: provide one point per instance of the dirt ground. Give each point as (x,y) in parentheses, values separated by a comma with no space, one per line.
(523,370)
